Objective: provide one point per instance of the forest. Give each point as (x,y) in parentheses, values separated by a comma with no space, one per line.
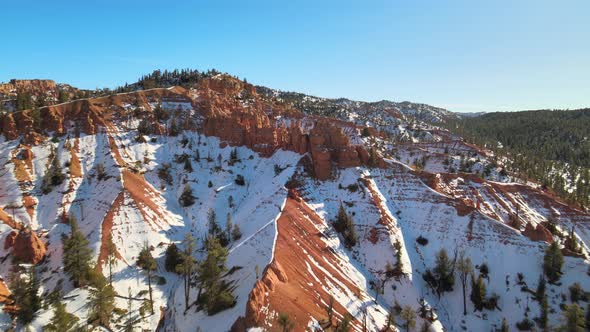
(548,146)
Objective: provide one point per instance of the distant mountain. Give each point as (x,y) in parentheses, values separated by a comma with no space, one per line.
(350,110)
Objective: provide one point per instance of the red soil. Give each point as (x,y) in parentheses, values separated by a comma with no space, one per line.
(143,195)
(107,230)
(287,284)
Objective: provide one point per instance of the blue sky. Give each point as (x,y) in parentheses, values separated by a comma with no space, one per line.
(464,55)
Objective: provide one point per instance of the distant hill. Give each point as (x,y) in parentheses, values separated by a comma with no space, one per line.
(549,146)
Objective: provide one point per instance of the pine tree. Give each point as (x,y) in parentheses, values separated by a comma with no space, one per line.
(465,269)
(409,317)
(344,325)
(173,258)
(285,322)
(390,322)
(329,308)
(186,198)
(552,262)
(187,165)
(36,117)
(102,303)
(111,250)
(25,287)
(62,321)
(504,327)
(216,296)
(442,278)
(77,255)
(541,287)
(574,320)
(345,226)
(399,267)
(23,101)
(228,226)
(148,264)
(236,233)
(544,316)
(478,292)
(187,266)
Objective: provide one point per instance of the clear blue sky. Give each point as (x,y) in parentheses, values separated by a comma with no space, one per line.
(466,55)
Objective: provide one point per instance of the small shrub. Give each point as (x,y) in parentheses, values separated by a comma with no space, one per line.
(422,240)
(240,181)
(353,187)
(525,324)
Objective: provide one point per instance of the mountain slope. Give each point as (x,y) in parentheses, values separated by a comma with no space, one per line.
(282,176)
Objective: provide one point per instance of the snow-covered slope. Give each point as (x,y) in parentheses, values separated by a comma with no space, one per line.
(257,162)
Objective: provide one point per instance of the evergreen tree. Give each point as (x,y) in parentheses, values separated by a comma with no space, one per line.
(62,321)
(390,322)
(345,226)
(216,296)
(53,175)
(504,327)
(187,266)
(111,250)
(465,268)
(442,278)
(186,198)
(541,287)
(552,262)
(25,287)
(285,322)
(24,101)
(409,317)
(63,96)
(574,320)
(228,226)
(102,303)
(478,292)
(36,117)
(148,264)
(187,165)
(344,325)
(329,308)
(399,267)
(173,258)
(544,316)
(236,233)
(77,256)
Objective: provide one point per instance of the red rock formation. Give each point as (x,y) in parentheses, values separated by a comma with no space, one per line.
(10,240)
(231,110)
(28,247)
(4,293)
(539,233)
(298,245)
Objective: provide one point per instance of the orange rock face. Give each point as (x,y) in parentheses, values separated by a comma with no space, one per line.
(287,285)
(256,126)
(538,233)
(28,247)
(4,293)
(230,109)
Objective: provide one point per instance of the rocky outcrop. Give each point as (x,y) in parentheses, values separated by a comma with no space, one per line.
(254,124)
(538,233)
(230,109)
(4,293)
(27,247)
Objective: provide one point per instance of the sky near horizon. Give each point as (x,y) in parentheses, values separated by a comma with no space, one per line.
(463,55)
